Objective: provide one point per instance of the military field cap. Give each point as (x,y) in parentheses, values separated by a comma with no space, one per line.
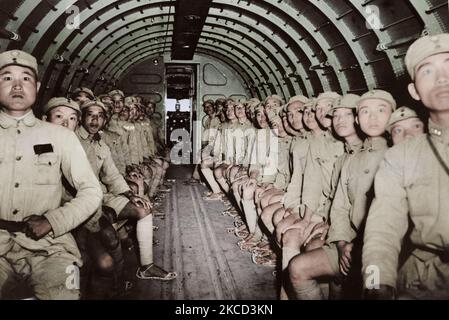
(423,48)
(85,90)
(114,92)
(378,94)
(310,104)
(130,100)
(298,98)
(210,101)
(348,101)
(89,104)
(327,95)
(274,96)
(18,58)
(401,113)
(259,108)
(61,102)
(254,101)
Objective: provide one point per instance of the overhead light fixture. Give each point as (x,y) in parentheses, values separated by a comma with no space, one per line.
(192,17)
(186,46)
(155,62)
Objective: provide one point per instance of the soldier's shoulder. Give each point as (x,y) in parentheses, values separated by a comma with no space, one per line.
(408,148)
(55,129)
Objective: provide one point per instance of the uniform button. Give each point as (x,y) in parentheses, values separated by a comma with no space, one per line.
(366,171)
(18,131)
(18,158)
(16,185)
(15,211)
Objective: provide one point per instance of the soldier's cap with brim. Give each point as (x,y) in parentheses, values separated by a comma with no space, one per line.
(275,97)
(85,90)
(348,101)
(61,102)
(423,48)
(18,58)
(299,98)
(331,95)
(259,108)
(94,103)
(254,100)
(129,101)
(311,104)
(377,94)
(209,101)
(116,92)
(400,114)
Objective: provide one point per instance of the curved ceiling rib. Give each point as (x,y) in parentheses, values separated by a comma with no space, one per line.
(298,46)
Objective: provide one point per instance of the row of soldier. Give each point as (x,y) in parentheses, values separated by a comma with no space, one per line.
(72,184)
(346,213)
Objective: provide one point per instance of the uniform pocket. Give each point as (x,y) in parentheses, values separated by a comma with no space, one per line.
(47,170)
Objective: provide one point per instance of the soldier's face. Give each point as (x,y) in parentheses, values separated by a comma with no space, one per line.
(133,113)
(343,122)
(64,116)
(272,104)
(149,109)
(124,114)
(107,99)
(432,82)
(82,97)
(309,119)
(18,89)
(322,108)
(406,129)
(261,119)
(230,112)
(373,116)
(94,119)
(278,128)
(118,103)
(208,109)
(240,111)
(294,115)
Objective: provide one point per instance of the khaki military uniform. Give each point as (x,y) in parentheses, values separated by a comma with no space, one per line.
(158,133)
(116,125)
(324,150)
(283,159)
(210,127)
(148,134)
(245,143)
(113,140)
(135,154)
(260,157)
(299,149)
(353,196)
(33,156)
(113,183)
(411,185)
(350,151)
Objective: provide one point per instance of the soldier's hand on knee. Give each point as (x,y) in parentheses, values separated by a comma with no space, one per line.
(140,202)
(37,227)
(344,254)
(320,229)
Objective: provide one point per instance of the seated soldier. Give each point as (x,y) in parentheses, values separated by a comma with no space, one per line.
(411,188)
(96,238)
(35,155)
(119,197)
(341,256)
(82,94)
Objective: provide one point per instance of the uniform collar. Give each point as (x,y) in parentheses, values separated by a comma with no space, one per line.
(7,121)
(374,144)
(83,134)
(438,131)
(353,148)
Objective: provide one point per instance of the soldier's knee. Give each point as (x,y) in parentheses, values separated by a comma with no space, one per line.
(296,269)
(218,173)
(105,264)
(142,212)
(266,215)
(290,238)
